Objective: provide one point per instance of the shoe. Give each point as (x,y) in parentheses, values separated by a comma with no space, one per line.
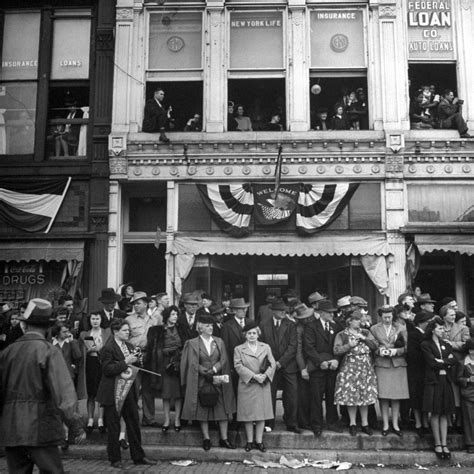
(384,432)
(446,452)
(367,430)
(248,447)
(101,429)
(466,135)
(163,138)
(123,443)
(153,424)
(165,428)
(317,433)
(397,432)
(261,447)
(304,427)
(293,429)
(225,443)
(89,429)
(206,444)
(353,430)
(268,429)
(145,462)
(117,464)
(177,428)
(438,452)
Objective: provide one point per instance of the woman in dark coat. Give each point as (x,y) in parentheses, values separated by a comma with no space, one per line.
(438,398)
(164,347)
(203,358)
(465,379)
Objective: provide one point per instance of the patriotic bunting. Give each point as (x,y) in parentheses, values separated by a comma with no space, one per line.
(32,205)
(318,205)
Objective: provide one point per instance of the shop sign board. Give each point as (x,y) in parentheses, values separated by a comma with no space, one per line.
(430,30)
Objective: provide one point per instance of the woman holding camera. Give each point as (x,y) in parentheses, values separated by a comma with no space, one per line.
(163,355)
(356,383)
(205,373)
(255,365)
(390,367)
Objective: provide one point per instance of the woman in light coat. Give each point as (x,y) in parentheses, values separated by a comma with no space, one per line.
(255,365)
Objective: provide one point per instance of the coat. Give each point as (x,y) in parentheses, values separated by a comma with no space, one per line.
(233,336)
(113,364)
(433,367)
(36,393)
(191,379)
(318,344)
(396,333)
(464,372)
(282,343)
(186,331)
(457,336)
(254,401)
(155,117)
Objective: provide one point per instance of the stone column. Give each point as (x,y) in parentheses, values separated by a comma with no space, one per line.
(214,68)
(114,270)
(171,227)
(298,68)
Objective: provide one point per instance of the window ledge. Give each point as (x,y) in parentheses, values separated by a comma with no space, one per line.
(435,134)
(438,228)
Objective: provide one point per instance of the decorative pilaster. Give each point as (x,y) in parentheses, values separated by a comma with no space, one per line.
(298,70)
(172,225)
(115,241)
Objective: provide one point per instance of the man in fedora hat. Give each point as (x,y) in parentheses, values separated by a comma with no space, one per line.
(315,298)
(187,320)
(264,311)
(36,395)
(280,334)
(109,300)
(425,303)
(140,322)
(232,334)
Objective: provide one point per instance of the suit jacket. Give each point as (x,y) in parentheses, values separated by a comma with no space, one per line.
(318,344)
(155,117)
(415,358)
(396,332)
(282,342)
(117,313)
(432,367)
(232,335)
(446,109)
(186,331)
(113,364)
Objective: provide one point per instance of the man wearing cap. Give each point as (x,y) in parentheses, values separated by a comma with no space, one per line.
(343,310)
(109,299)
(36,395)
(140,321)
(232,334)
(187,320)
(280,334)
(323,364)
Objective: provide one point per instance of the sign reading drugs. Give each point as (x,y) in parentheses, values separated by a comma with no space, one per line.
(430,30)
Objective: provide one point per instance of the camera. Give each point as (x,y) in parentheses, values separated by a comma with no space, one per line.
(460,102)
(384,352)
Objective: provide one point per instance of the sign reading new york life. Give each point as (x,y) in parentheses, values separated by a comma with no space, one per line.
(430,30)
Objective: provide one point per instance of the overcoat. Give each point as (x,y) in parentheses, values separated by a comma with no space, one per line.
(191,379)
(380,335)
(433,367)
(254,401)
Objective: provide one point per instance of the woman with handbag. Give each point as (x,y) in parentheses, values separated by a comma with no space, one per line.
(255,365)
(164,346)
(205,372)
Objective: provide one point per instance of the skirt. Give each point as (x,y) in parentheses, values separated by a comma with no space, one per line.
(392,383)
(171,386)
(438,398)
(93,375)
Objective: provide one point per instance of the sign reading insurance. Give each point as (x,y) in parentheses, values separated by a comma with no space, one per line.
(430,30)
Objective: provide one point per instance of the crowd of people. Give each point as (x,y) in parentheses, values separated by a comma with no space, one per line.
(213,365)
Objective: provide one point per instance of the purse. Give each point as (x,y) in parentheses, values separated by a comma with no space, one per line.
(172,368)
(208,395)
(264,365)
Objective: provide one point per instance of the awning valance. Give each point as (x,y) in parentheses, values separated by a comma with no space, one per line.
(38,250)
(462,243)
(288,245)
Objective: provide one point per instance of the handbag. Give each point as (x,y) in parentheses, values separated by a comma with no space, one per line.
(172,368)
(208,395)
(264,365)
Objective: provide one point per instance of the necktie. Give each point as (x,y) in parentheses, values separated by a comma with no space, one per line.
(190,320)
(242,323)
(125,350)
(327,327)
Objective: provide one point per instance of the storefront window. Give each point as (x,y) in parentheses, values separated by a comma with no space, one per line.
(250,34)
(427,204)
(175,40)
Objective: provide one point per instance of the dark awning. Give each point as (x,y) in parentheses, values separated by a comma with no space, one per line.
(461,243)
(42,250)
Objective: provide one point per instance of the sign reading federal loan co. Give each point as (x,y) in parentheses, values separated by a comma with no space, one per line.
(430,30)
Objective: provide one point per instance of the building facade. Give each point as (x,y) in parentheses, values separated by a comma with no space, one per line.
(369,206)
(55,116)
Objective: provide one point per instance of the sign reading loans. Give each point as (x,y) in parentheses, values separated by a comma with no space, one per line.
(430,30)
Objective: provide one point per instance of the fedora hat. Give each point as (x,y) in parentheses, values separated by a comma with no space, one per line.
(422,316)
(139,295)
(302,311)
(108,295)
(38,313)
(216,309)
(190,298)
(238,303)
(358,301)
(278,305)
(425,298)
(344,301)
(326,306)
(316,297)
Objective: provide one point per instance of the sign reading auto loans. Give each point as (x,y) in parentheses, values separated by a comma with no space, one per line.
(430,30)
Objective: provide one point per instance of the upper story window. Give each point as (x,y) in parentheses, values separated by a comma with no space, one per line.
(18,82)
(338,69)
(256,75)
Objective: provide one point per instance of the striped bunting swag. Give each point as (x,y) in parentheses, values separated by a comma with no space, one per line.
(32,205)
(320,204)
(231,206)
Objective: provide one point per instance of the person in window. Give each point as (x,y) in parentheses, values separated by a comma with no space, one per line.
(194,124)
(322,120)
(430,102)
(68,134)
(274,125)
(450,113)
(157,115)
(351,111)
(244,123)
(361,109)
(339,119)
(231,122)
